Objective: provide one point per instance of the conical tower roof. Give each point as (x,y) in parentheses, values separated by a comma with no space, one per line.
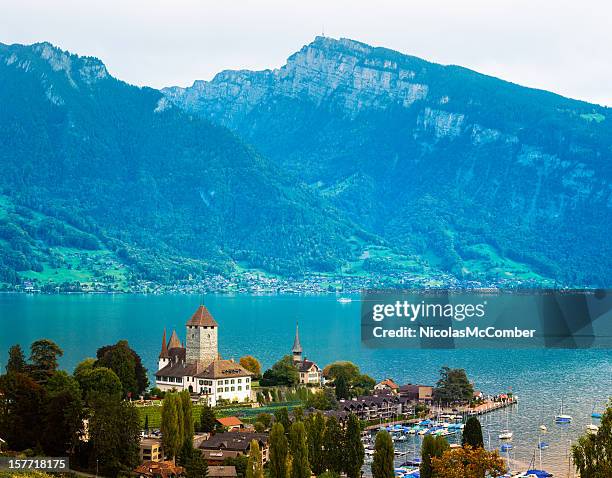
(297,347)
(164,350)
(202,318)
(174,342)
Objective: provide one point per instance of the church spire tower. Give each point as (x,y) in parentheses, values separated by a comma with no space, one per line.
(297,347)
(202,338)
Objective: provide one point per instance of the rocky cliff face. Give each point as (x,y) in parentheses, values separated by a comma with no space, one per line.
(439,159)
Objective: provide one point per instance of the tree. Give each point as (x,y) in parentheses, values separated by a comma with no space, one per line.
(171,425)
(16,361)
(44,356)
(334,446)
(348,370)
(300,467)
(322,400)
(382,463)
(126,363)
(239,462)
(353,448)
(255,463)
(281,415)
(315,430)
(472,433)
(252,365)
(453,386)
(468,462)
(187,414)
(63,415)
(208,420)
(363,385)
(264,418)
(114,433)
(278,452)
(283,372)
(342,388)
(146,424)
(196,466)
(592,454)
(432,447)
(99,382)
(21,401)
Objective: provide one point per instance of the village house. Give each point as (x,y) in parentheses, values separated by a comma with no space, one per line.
(417,393)
(310,373)
(162,469)
(216,471)
(197,366)
(151,449)
(387,385)
(237,442)
(230,423)
(376,407)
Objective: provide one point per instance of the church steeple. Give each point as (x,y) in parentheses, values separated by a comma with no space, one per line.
(297,347)
(164,349)
(174,342)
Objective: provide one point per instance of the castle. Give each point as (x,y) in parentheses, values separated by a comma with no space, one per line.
(197,366)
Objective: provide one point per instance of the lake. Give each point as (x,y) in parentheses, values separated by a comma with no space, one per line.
(264,326)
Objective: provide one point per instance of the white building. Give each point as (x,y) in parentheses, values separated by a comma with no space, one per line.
(310,373)
(197,366)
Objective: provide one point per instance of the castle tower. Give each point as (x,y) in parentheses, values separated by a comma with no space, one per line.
(297,347)
(202,337)
(164,356)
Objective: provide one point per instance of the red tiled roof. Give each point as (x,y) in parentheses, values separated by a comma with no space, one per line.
(202,318)
(230,421)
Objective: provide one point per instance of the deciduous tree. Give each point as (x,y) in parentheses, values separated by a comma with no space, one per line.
(315,430)
(468,462)
(432,447)
(208,420)
(300,467)
(353,448)
(44,354)
(254,465)
(592,453)
(333,439)
(252,365)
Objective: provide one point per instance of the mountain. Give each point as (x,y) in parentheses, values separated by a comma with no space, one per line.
(477,175)
(101,179)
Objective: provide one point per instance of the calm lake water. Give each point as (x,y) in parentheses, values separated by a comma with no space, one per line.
(264,326)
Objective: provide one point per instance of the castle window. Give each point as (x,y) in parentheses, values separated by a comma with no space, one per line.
(239,388)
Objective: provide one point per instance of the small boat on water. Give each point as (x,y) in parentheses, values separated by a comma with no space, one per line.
(533,474)
(562,418)
(506,435)
(543,428)
(345,300)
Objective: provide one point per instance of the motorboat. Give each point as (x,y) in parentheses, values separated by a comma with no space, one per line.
(345,300)
(506,435)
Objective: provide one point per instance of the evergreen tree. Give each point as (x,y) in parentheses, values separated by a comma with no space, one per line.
(278,451)
(432,447)
(146,424)
(281,415)
(472,433)
(196,466)
(44,355)
(126,363)
(208,420)
(187,413)
(315,429)
(353,448)
(382,464)
(300,468)
(453,386)
(16,361)
(255,464)
(334,447)
(171,426)
(342,388)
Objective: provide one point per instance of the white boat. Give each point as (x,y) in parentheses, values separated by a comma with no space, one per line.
(591,428)
(562,418)
(543,428)
(345,300)
(506,435)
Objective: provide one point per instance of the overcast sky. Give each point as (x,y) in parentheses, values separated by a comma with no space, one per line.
(562,46)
